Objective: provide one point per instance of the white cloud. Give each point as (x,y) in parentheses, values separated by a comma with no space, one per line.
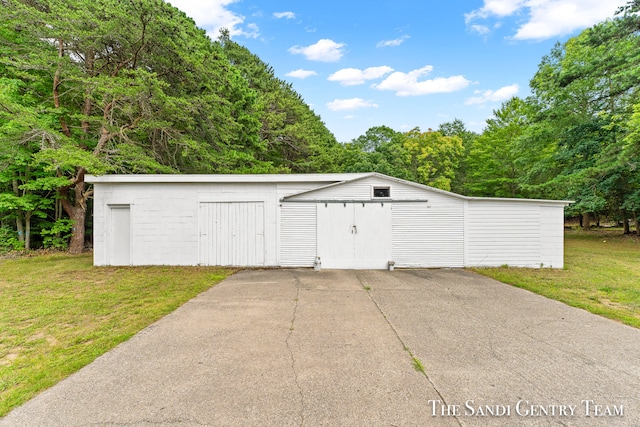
(554,18)
(502,94)
(253,31)
(546,19)
(392,43)
(350,104)
(355,76)
(325,50)
(499,8)
(301,74)
(407,84)
(480,29)
(286,15)
(212,15)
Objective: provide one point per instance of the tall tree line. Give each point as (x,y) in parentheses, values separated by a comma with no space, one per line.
(130,86)
(576,137)
(133,86)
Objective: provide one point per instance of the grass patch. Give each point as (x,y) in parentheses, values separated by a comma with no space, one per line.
(601,275)
(58,313)
(417,364)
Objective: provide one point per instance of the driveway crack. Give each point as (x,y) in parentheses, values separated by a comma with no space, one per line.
(291,355)
(417,364)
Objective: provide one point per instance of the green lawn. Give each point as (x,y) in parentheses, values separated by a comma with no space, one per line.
(58,313)
(601,275)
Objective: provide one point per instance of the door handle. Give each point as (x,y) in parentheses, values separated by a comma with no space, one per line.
(354,230)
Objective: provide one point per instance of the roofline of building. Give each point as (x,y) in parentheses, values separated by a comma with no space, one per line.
(292,197)
(221,178)
(333,179)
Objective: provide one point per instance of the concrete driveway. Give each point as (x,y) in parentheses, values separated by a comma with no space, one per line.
(358,348)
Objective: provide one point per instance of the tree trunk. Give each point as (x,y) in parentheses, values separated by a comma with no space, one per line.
(625,225)
(19,213)
(56,90)
(27,231)
(20,226)
(88,103)
(586,221)
(77,215)
(76,209)
(636,220)
(58,210)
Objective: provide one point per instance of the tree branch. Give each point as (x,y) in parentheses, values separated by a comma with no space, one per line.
(56,85)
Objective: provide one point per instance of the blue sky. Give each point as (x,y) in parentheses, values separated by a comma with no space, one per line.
(401,63)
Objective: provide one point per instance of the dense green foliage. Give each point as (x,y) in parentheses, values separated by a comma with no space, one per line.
(294,138)
(576,137)
(585,95)
(133,86)
(429,158)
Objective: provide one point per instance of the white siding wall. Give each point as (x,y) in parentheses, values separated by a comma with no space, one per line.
(552,236)
(165,225)
(164,218)
(164,222)
(288,188)
(428,234)
(424,234)
(297,226)
(360,189)
(445,231)
(503,233)
(99,224)
(297,234)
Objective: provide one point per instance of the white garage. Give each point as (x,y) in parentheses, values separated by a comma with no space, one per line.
(342,221)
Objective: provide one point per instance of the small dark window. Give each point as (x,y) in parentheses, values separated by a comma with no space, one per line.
(381,192)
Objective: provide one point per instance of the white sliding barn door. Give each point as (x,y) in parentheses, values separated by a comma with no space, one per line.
(354,235)
(231,233)
(373,240)
(335,235)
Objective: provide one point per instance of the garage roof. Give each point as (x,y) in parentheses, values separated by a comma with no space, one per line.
(355,177)
(221,178)
(332,178)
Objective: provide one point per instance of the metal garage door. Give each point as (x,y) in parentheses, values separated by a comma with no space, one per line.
(231,233)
